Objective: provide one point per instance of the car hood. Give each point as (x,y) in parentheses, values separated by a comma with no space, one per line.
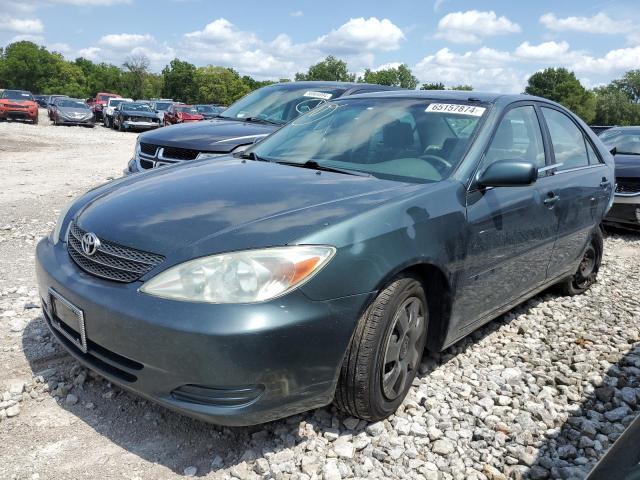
(627,165)
(209,136)
(71,111)
(204,207)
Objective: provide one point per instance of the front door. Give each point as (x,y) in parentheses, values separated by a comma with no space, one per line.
(511,229)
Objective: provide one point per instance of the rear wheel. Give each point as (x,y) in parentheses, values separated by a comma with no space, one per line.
(385,351)
(587,272)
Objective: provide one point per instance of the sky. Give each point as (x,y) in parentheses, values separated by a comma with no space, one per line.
(491,45)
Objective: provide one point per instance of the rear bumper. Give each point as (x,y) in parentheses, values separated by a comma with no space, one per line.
(625,212)
(284,356)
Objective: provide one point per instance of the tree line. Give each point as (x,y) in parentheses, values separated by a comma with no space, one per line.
(25,65)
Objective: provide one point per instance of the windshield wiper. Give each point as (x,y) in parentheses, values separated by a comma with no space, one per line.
(250,156)
(312,164)
(261,120)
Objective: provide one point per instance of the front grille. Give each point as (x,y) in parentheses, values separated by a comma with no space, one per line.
(111,261)
(179,153)
(627,185)
(148,149)
(13,105)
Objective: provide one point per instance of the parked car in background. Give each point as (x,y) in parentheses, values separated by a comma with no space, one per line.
(160,106)
(317,265)
(181,113)
(108,110)
(598,129)
(209,111)
(134,116)
(72,111)
(50,101)
(251,118)
(624,142)
(41,100)
(18,105)
(98,103)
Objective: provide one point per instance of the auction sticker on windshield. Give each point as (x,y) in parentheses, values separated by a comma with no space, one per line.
(324,96)
(472,110)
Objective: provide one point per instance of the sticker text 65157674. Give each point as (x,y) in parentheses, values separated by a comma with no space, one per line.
(458,108)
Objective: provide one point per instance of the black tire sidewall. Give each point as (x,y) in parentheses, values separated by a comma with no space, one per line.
(408,287)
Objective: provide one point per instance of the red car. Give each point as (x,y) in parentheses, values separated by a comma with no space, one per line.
(18,104)
(98,103)
(180,113)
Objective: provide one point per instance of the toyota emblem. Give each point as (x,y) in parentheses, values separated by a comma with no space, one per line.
(90,243)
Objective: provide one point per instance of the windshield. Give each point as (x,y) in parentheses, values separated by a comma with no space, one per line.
(407,140)
(105,98)
(207,109)
(136,107)
(625,141)
(115,103)
(163,105)
(69,103)
(17,95)
(187,110)
(280,104)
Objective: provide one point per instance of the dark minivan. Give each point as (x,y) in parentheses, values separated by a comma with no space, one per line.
(318,264)
(251,118)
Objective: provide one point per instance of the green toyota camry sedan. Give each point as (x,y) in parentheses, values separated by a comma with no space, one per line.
(317,265)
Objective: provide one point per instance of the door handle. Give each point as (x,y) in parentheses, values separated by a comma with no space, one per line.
(551,199)
(605,183)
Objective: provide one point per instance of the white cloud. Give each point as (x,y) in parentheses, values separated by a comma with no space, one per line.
(615,61)
(362,34)
(297,13)
(471,26)
(551,51)
(484,69)
(29,26)
(26,37)
(124,40)
(599,23)
(90,53)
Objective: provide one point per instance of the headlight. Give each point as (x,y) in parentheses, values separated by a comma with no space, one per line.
(57,229)
(202,155)
(240,277)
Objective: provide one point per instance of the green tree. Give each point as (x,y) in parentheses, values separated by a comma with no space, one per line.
(254,84)
(330,69)
(400,76)
(629,84)
(432,86)
(27,66)
(562,86)
(137,70)
(614,107)
(466,88)
(68,78)
(219,85)
(179,81)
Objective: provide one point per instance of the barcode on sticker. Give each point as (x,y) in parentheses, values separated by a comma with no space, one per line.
(324,96)
(456,108)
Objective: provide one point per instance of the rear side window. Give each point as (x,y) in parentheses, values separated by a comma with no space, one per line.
(594,159)
(569,144)
(518,137)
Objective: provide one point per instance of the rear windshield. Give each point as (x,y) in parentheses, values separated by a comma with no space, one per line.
(411,140)
(163,105)
(17,95)
(187,110)
(105,98)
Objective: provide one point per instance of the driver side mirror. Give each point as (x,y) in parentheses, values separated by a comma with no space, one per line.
(508,173)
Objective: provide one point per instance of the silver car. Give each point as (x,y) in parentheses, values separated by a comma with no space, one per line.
(71,111)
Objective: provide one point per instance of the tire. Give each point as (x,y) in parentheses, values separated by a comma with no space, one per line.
(35,120)
(366,388)
(106,122)
(587,272)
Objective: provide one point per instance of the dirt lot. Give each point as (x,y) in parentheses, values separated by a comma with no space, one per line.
(540,393)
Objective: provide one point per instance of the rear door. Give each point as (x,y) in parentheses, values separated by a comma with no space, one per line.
(577,191)
(511,230)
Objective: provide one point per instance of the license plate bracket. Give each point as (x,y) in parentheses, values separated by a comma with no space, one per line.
(68,319)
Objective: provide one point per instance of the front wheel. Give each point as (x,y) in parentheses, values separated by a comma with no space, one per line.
(385,351)
(587,272)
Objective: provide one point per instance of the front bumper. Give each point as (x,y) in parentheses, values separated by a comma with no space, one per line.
(625,212)
(289,350)
(140,125)
(73,121)
(22,114)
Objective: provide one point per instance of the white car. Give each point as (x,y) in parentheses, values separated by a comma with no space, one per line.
(107,114)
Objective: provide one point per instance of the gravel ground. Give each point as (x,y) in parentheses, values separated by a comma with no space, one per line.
(541,392)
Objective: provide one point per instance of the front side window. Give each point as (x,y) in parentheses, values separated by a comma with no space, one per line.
(569,144)
(410,140)
(518,137)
